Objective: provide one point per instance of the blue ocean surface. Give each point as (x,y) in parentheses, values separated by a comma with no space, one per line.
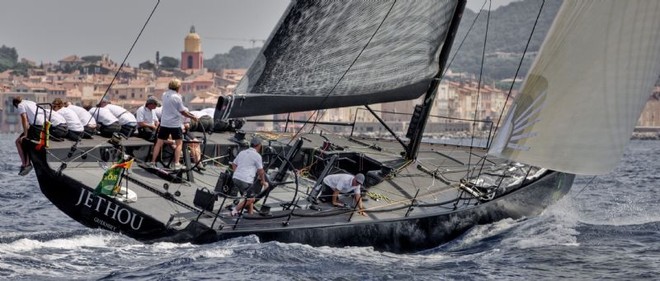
(606,228)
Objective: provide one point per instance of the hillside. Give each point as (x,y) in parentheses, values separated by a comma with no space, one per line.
(508,32)
(238,57)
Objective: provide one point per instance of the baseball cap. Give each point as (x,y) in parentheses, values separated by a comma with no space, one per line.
(256,140)
(151,100)
(360,178)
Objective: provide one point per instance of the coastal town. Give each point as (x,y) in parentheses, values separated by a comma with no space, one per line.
(85,82)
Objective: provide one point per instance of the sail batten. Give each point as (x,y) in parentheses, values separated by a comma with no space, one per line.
(586,89)
(326,54)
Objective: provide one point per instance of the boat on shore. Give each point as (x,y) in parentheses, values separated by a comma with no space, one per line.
(418,195)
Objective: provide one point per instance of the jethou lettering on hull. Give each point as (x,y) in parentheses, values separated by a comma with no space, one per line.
(110,210)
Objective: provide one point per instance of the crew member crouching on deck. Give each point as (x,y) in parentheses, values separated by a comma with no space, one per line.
(342,183)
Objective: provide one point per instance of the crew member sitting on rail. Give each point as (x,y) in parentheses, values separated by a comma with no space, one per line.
(147,121)
(86,119)
(127,120)
(31,122)
(74,126)
(109,123)
(58,127)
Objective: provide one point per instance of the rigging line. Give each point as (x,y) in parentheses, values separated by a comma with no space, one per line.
(497,125)
(586,185)
(494,129)
(124,61)
(481,71)
(432,115)
(464,38)
(351,65)
(412,179)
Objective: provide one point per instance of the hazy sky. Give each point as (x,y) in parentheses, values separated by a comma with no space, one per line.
(47,31)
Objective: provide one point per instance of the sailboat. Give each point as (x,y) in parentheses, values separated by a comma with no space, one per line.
(574,115)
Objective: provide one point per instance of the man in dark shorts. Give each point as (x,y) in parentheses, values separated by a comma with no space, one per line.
(247,164)
(171,123)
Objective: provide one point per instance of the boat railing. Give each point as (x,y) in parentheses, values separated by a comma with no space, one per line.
(291,207)
(364,125)
(45,113)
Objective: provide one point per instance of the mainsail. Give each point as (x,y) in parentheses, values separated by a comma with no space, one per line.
(328,54)
(586,89)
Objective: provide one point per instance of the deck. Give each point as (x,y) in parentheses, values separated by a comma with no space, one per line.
(430,183)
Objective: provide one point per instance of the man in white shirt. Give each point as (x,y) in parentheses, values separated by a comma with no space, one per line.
(127,120)
(342,183)
(159,112)
(210,111)
(74,126)
(193,144)
(147,122)
(58,127)
(31,122)
(218,125)
(109,124)
(86,119)
(248,163)
(204,122)
(171,123)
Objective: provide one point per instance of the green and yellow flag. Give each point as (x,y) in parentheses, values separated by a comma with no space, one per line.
(110,183)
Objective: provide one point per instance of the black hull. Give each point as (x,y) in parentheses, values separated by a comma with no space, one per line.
(79,202)
(403,235)
(419,233)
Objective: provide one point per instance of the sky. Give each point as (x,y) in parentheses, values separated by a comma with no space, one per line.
(47,31)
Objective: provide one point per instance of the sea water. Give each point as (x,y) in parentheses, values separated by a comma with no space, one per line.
(607,227)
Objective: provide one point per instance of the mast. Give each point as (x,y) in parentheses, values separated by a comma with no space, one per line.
(421,113)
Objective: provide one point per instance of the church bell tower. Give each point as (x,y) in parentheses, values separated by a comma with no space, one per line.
(192,56)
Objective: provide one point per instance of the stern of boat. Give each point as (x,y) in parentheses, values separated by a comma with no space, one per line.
(81,203)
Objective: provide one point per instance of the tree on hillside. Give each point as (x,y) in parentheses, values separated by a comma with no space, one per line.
(238,57)
(91,58)
(508,31)
(21,69)
(8,58)
(169,62)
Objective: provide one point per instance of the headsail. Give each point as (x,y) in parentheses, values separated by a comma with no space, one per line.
(327,54)
(586,89)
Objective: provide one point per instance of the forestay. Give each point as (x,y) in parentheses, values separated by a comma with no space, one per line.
(328,54)
(586,89)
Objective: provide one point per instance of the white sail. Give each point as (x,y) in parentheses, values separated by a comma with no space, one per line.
(586,89)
